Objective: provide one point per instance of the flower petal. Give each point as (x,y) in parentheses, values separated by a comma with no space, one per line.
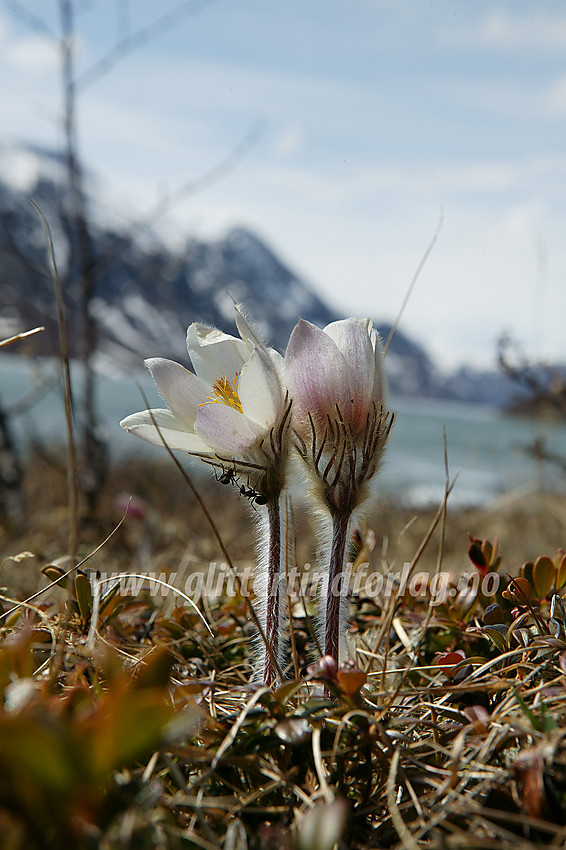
(227,431)
(182,391)
(247,332)
(254,341)
(352,336)
(379,383)
(279,364)
(260,390)
(215,354)
(170,428)
(317,373)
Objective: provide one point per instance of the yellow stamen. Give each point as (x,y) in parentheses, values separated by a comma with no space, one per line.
(226,392)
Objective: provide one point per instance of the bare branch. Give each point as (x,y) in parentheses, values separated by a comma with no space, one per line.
(167,202)
(208,178)
(138,39)
(72,471)
(420,266)
(546,386)
(22,335)
(83,261)
(30,19)
(123,20)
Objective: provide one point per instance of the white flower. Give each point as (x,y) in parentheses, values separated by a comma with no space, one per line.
(233,413)
(232,409)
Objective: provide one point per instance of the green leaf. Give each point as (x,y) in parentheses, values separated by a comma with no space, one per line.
(107,597)
(519,590)
(475,553)
(36,755)
(535,722)
(493,615)
(83,593)
(496,636)
(156,671)
(561,572)
(55,574)
(284,693)
(527,572)
(130,724)
(544,575)
(312,706)
(548,721)
(517,626)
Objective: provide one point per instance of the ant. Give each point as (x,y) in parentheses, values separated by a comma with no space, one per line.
(255,497)
(228,476)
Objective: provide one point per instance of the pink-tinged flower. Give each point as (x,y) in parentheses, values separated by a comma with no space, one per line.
(336,380)
(338,368)
(231,410)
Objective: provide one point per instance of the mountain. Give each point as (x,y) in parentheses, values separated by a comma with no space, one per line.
(147,293)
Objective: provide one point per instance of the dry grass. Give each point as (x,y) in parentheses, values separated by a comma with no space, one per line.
(146,733)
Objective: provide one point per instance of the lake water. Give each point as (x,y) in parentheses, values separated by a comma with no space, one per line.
(485,446)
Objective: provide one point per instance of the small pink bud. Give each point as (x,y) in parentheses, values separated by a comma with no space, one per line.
(136,508)
(325,668)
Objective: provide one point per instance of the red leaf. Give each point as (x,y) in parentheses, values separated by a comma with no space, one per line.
(447,660)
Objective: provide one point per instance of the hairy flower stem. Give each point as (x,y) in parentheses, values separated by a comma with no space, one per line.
(335,592)
(272,621)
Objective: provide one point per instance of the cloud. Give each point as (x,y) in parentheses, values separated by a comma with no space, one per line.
(494,182)
(289,141)
(32,55)
(555,99)
(4,29)
(20,167)
(512,30)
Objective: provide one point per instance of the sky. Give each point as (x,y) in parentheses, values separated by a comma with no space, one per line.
(362,123)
